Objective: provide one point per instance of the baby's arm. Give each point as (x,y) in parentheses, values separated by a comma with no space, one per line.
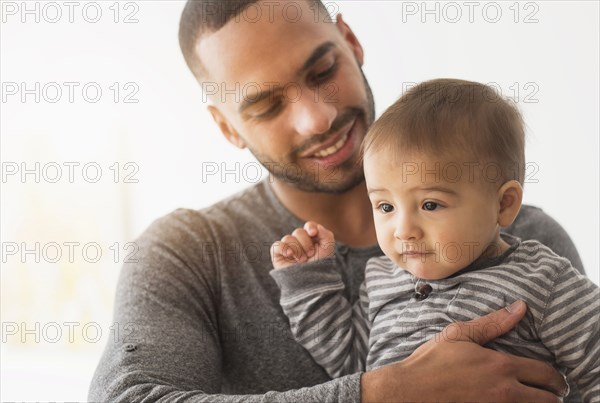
(312,296)
(570,329)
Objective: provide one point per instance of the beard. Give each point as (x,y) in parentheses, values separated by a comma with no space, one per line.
(338,179)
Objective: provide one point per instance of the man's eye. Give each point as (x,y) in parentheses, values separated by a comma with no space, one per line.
(324,75)
(385,207)
(430,206)
(266,112)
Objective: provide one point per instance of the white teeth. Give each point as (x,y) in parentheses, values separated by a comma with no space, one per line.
(333,148)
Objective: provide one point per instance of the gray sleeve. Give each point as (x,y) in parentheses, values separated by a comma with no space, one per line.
(571,331)
(334,332)
(169,345)
(533,223)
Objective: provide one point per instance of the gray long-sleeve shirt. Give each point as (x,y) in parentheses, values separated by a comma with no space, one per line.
(201,313)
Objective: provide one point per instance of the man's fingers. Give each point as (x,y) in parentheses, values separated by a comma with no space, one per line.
(488,327)
(529,394)
(540,375)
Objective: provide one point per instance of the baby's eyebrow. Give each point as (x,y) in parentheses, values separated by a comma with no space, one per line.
(375,190)
(439,189)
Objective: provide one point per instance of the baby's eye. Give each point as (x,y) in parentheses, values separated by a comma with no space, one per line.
(386,207)
(430,206)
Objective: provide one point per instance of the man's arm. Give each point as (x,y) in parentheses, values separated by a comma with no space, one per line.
(169,346)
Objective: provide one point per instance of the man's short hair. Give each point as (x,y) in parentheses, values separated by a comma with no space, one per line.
(450,118)
(200,17)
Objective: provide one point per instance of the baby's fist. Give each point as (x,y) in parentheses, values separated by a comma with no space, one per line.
(308,244)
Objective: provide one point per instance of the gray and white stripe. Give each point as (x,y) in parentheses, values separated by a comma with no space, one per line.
(387,323)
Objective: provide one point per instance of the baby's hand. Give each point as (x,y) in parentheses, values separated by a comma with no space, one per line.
(308,244)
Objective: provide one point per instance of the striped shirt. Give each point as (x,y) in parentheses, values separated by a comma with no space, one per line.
(388,322)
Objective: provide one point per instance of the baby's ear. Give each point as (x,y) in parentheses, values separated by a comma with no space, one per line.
(510,196)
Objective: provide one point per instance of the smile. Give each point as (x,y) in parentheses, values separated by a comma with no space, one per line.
(333,149)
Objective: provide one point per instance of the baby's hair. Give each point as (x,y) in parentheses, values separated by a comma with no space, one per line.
(448,118)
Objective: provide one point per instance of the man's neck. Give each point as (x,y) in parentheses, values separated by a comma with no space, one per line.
(348,215)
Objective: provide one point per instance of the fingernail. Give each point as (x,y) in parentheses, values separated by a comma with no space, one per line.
(566,390)
(515,306)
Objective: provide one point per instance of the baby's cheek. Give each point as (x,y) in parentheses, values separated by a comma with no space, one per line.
(387,244)
(383,231)
(455,249)
(386,247)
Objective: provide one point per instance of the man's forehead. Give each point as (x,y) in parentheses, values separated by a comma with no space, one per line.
(275,44)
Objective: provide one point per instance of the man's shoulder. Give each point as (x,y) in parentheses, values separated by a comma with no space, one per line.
(241,209)
(528,215)
(203,240)
(533,223)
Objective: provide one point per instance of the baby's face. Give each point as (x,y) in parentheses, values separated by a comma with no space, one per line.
(432,217)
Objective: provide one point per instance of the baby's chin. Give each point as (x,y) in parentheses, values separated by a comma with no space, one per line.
(428,271)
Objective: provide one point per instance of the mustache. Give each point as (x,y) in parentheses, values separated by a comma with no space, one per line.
(346,117)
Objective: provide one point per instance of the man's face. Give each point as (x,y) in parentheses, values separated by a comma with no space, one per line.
(432,217)
(292,91)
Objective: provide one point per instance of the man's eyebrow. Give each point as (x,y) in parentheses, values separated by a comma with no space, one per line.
(316,55)
(312,59)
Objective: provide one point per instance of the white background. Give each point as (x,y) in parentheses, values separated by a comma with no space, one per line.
(167,135)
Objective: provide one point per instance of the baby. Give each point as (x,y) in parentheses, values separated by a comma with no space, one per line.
(444,168)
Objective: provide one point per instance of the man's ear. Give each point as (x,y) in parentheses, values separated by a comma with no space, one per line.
(351,39)
(228,131)
(510,196)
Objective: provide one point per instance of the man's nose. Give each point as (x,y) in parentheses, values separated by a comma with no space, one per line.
(312,115)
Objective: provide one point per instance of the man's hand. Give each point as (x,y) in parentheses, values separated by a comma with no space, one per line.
(454,367)
(308,244)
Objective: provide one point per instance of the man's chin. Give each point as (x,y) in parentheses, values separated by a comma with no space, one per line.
(331,185)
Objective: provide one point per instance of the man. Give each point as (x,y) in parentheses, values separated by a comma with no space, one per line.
(203,313)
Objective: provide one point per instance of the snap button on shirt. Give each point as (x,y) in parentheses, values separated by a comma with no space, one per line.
(422,291)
